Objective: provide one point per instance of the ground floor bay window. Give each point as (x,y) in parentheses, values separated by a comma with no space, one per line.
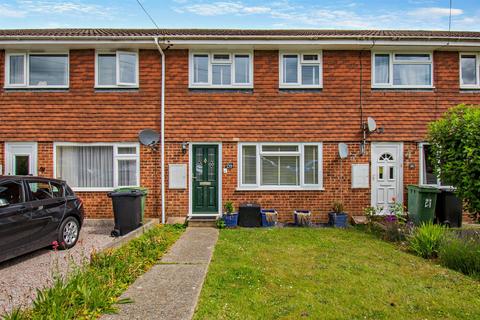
(281,166)
(97,167)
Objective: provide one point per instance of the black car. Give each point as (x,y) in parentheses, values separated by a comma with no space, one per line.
(35,213)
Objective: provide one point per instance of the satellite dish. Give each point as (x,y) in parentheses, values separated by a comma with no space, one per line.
(372,125)
(148,137)
(343,150)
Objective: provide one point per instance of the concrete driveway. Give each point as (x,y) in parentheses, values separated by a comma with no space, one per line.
(22,276)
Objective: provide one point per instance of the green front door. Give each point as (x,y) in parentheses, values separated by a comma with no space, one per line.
(205,179)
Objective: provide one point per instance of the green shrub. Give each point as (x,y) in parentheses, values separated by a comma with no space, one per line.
(93,289)
(425,240)
(461,255)
(455,142)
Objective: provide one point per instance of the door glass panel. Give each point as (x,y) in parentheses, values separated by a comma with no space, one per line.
(380,173)
(391,173)
(199,164)
(22,165)
(211,164)
(11,192)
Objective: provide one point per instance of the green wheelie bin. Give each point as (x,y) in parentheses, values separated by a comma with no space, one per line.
(421,203)
(142,189)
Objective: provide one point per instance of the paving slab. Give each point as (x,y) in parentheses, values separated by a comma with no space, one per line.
(170,290)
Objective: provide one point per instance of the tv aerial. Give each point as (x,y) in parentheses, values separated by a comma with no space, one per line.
(149,138)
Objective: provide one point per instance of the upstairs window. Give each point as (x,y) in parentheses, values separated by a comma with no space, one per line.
(36,70)
(303,70)
(469,70)
(277,166)
(223,70)
(117,69)
(402,70)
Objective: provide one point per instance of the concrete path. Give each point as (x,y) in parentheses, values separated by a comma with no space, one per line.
(170,290)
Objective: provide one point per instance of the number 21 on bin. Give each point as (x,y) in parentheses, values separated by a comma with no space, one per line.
(428,203)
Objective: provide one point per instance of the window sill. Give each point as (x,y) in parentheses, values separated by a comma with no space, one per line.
(300,90)
(29,89)
(470,89)
(116,89)
(220,90)
(400,89)
(92,189)
(280,189)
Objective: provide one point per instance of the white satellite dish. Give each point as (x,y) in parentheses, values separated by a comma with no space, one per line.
(149,137)
(371,124)
(343,150)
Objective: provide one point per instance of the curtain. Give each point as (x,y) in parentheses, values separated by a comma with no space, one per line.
(280,170)
(87,166)
(107,73)
(17,65)
(242,69)
(290,65)
(411,74)
(249,165)
(469,70)
(127,67)
(221,74)
(382,63)
(127,172)
(200,68)
(311,164)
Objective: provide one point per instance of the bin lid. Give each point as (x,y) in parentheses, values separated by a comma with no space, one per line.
(125,193)
(426,189)
(128,189)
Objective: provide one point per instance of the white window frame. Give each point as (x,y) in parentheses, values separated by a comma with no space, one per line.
(298,84)
(477,66)
(116,158)
(422,169)
(209,84)
(391,55)
(26,70)
(117,69)
(300,153)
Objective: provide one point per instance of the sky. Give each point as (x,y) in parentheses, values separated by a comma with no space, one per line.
(248,14)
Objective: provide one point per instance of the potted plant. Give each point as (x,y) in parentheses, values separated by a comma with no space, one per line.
(302,218)
(230,217)
(337,217)
(269,217)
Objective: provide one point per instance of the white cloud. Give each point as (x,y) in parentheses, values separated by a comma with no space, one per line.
(345,14)
(223,8)
(62,7)
(8,12)
(435,12)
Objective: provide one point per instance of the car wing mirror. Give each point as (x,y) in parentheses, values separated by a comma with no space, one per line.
(4,203)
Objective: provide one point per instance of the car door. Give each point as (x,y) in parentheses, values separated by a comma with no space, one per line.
(47,205)
(15,217)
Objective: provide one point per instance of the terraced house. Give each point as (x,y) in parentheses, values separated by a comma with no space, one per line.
(249,115)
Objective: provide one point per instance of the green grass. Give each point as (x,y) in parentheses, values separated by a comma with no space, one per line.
(328,274)
(94,289)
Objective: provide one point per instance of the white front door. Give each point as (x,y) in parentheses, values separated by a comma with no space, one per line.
(387,174)
(21,158)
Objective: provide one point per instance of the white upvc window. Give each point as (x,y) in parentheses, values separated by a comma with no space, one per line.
(116,69)
(36,70)
(221,70)
(97,166)
(280,166)
(470,70)
(300,70)
(402,70)
(428,177)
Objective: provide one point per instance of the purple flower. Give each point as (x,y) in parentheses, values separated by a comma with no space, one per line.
(391,219)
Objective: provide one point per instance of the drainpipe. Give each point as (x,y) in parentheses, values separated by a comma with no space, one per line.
(162,130)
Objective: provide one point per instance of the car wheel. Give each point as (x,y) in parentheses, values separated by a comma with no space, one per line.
(68,233)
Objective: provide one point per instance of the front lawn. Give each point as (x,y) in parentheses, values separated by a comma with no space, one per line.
(328,274)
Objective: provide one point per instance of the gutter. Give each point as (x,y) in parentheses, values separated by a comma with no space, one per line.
(162,129)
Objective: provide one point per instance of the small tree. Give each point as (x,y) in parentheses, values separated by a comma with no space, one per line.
(455,142)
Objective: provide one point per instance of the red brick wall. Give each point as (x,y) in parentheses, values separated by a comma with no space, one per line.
(336,186)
